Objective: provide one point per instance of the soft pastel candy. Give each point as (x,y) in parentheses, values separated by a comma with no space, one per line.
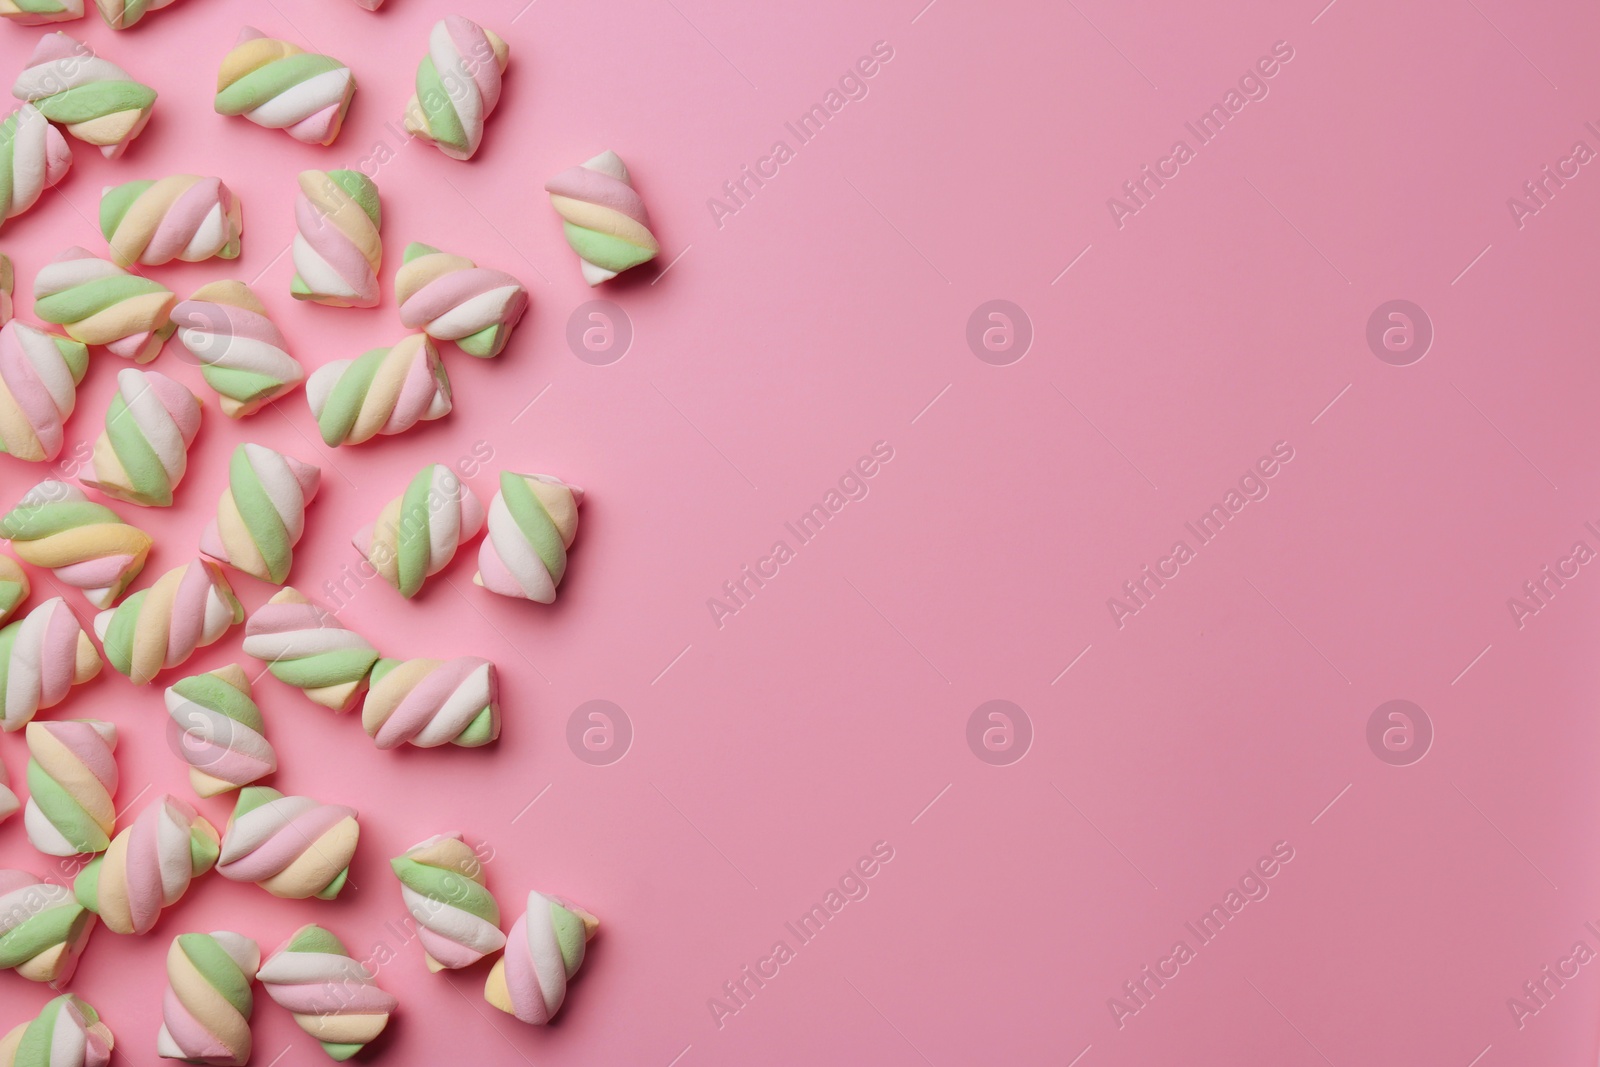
(458,85)
(532,522)
(96,100)
(305,646)
(262,513)
(292,847)
(42,656)
(43,928)
(33,157)
(205,1013)
(442,884)
(281,86)
(183,217)
(242,353)
(72,776)
(218,730)
(143,453)
(148,867)
(67,1033)
(10,803)
(121,14)
(450,298)
(187,608)
(87,545)
(604,219)
(337,248)
(40,12)
(39,377)
(385,391)
(418,532)
(430,702)
(544,950)
(14,588)
(334,998)
(99,303)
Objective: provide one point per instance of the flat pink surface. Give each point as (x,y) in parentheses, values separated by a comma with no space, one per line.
(829,312)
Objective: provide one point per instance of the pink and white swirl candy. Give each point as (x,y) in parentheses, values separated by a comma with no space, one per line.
(34,157)
(458,85)
(42,657)
(544,950)
(242,353)
(148,867)
(293,847)
(429,702)
(451,298)
(334,998)
(39,377)
(218,730)
(533,520)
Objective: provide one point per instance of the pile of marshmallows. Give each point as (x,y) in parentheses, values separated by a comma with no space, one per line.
(292,846)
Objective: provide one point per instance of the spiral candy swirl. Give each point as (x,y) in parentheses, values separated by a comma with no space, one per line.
(187,608)
(183,217)
(544,950)
(262,513)
(205,1013)
(39,377)
(99,303)
(43,928)
(418,532)
(279,85)
(96,100)
(242,353)
(148,867)
(292,847)
(87,545)
(385,391)
(458,919)
(33,157)
(429,702)
(143,453)
(533,520)
(306,647)
(42,656)
(458,85)
(334,998)
(337,249)
(604,219)
(67,1033)
(217,728)
(40,12)
(72,776)
(450,298)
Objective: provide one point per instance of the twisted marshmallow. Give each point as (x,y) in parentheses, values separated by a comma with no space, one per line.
(72,775)
(148,867)
(306,647)
(337,249)
(43,928)
(67,1033)
(120,14)
(262,513)
(42,656)
(187,608)
(280,86)
(450,298)
(40,12)
(418,532)
(183,217)
(242,353)
(385,391)
(604,219)
(39,377)
(87,545)
(458,85)
(543,951)
(532,522)
(14,588)
(96,100)
(99,303)
(205,1013)
(429,702)
(218,730)
(143,453)
(458,919)
(10,803)
(33,157)
(334,999)
(292,847)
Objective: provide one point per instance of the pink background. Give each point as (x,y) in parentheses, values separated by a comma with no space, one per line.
(772,752)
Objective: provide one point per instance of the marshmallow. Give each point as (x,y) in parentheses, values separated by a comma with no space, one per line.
(458,920)
(72,775)
(604,219)
(337,250)
(334,999)
(450,298)
(205,1014)
(99,303)
(183,217)
(42,656)
(96,100)
(120,14)
(281,86)
(33,157)
(67,1033)
(242,353)
(429,702)
(218,730)
(43,928)
(418,532)
(40,12)
(292,847)
(532,522)
(187,608)
(262,513)
(306,647)
(544,950)
(10,803)
(148,867)
(14,588)
(385,391)
(143,453)
(87,545)
(39,377)
(458,85)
